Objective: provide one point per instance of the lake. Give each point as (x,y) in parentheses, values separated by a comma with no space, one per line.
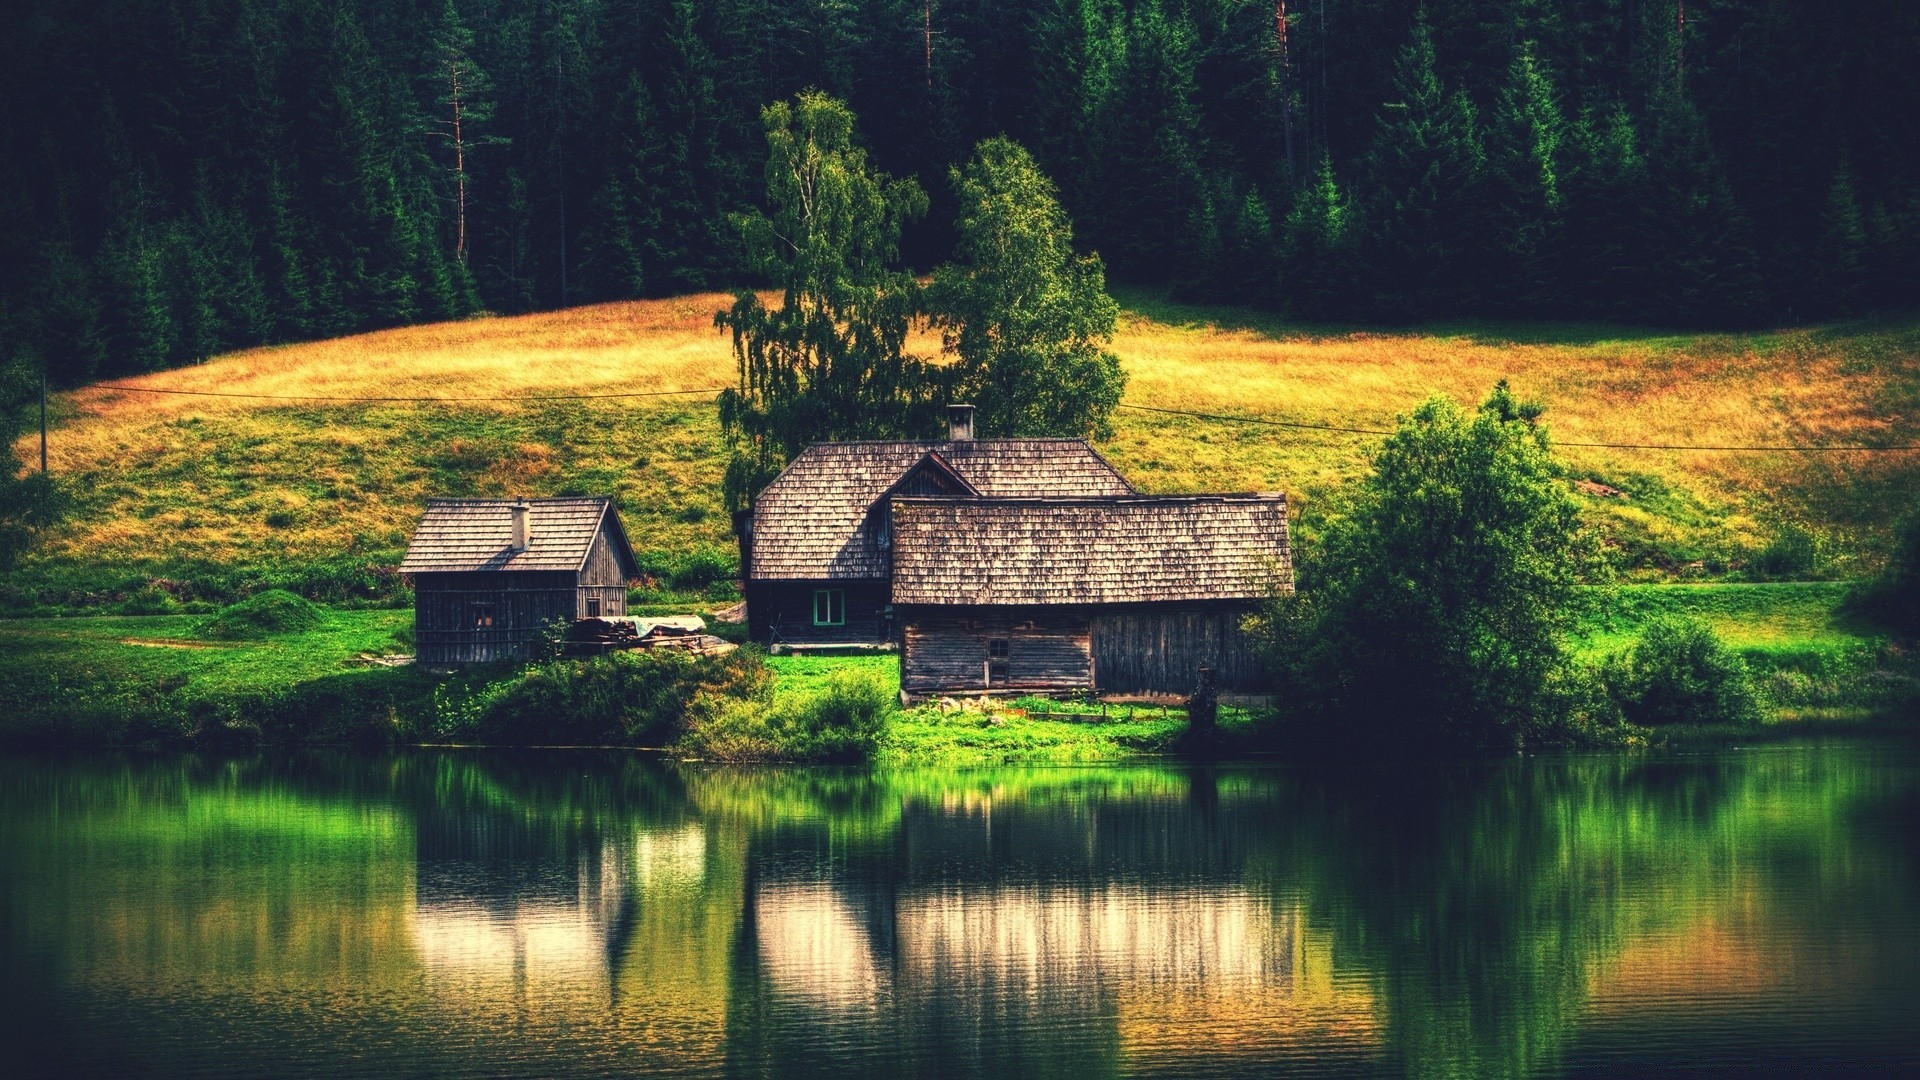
(439,913)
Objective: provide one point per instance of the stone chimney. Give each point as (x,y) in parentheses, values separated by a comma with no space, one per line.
(519,526)
(960,423)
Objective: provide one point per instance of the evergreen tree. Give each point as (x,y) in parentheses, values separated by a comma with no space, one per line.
(1317,270)
(1027,319)
(1524,164)
(830,362)
(1426,212)
(1840,253)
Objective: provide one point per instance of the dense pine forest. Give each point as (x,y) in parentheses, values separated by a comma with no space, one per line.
(179,179)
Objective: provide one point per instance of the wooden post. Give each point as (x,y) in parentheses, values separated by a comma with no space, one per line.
(43,418)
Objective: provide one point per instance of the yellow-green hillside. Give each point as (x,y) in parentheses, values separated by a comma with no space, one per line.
(171,485)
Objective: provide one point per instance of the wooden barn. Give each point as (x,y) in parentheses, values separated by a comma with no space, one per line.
(489,574)
(814,549)
(1010,565)
(1117,594)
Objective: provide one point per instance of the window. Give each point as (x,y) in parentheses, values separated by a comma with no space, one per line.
(593,607)
(997,662)
(829,607)
(482,615)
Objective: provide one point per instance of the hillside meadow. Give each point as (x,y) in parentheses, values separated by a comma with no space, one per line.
(184,495)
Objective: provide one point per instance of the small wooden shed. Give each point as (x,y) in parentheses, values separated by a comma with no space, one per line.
(1123,594)
(489,574)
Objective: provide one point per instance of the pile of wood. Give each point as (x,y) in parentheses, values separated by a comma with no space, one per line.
(593,637)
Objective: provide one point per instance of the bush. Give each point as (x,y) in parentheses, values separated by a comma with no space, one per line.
(1893,598)
(842,723)
(635,698)
(275,611)
(1681,673)
(1794,554)
(699,570)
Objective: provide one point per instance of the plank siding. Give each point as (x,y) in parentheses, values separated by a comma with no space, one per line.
(446,607)
(781,613)
(1159,649)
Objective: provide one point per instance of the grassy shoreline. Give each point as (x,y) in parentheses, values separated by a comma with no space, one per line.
(157,680)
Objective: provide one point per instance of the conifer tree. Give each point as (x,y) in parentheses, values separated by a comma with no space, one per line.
(1840,252)
(1524,164)
(1426,214)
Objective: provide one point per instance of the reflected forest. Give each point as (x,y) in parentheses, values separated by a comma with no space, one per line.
(619,915)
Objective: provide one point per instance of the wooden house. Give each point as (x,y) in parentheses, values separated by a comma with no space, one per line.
(814,549)
(489,574)
(1117,594)
(1010,565)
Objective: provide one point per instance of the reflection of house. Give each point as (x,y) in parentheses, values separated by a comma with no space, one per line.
(1010,564)
(490,574)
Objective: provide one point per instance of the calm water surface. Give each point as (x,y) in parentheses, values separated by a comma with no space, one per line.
(450,913)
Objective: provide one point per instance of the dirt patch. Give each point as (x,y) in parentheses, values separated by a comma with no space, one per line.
(163,643)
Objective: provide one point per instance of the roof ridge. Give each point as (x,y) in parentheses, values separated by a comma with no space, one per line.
(1040,500)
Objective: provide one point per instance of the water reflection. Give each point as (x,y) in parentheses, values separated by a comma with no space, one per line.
(532,915)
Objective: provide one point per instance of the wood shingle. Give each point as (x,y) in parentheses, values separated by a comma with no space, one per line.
(466,535)
(1111,550)
(817,521)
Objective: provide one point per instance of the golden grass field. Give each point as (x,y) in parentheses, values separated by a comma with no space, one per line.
(165,480)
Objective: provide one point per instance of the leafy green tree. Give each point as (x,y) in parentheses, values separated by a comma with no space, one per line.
(1436,611)
(1027,318)
(830,362)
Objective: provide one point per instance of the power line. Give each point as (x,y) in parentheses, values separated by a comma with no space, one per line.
(1848,448)
(326,397)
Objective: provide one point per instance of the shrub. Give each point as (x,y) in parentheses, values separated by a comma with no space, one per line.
(275,611)
(635,698)
(149,600)
(1894,597)
(699,570)
(1680,673)
(842,723)
(1793,554)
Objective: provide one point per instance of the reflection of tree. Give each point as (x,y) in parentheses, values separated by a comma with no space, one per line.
(1488,902)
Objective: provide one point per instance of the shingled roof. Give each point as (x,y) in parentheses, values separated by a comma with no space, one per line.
(1090,551)
(457,535)
(815,520)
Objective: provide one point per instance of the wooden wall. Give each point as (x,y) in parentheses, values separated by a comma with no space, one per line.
(445,607)
(1136,649)
(602,578)
(782,612)
(1048,649)
(1158,648)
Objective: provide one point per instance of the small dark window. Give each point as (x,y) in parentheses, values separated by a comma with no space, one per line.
(829,607)
(482,615)
(593,607)
(997,662)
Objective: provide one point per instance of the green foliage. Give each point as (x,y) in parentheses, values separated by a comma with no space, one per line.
(631,698)
(274,611)
(1027,318)
(1681,673)
(1794,554)
(1437,608)
(830,362)
(1893,597)
(841,722)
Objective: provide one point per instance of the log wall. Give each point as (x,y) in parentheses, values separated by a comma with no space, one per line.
(1047,650)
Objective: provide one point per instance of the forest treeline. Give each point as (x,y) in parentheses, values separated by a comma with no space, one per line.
(178,179)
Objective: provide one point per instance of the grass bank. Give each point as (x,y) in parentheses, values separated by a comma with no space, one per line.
(192,500)
(131,680)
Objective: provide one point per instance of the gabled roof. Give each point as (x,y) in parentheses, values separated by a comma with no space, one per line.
(456,535)
(815,521)
(1120,550)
